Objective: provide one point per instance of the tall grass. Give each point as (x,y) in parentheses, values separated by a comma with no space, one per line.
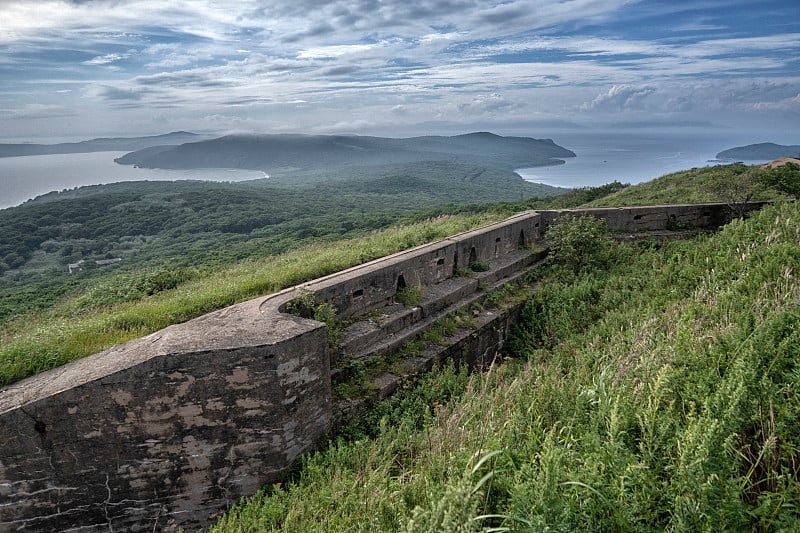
(658,392)
(78,326)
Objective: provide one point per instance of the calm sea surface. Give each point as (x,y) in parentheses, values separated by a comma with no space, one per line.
(23,178)
(625,158)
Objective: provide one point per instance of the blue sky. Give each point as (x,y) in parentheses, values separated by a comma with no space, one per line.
(87,68)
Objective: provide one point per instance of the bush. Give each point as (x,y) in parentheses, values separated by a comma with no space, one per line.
(579,242)
(785,178)
(479,266)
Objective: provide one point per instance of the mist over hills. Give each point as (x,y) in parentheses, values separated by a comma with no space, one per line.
(288,153)
(111,144)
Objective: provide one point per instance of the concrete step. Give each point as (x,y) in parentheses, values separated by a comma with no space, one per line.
(375,340)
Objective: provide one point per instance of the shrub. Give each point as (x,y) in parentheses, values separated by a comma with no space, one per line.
(579,242)
(785,178)
(479,266)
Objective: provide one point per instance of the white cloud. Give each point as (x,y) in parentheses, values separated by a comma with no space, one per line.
(373,62)
(36,111)
(330,52)
(791,104)
(106,59)
(487,104)
(621,98)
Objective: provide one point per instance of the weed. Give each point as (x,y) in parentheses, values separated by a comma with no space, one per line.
(479,266)
(409,296)
(462,272)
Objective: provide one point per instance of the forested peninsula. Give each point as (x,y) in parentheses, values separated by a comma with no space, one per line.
(283,154)
(759,152)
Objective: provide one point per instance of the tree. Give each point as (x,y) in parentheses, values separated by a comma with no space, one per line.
(737,188)
(785,179)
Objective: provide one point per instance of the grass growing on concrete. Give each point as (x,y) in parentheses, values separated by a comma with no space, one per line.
(72,329)
(409,296)
(658,392)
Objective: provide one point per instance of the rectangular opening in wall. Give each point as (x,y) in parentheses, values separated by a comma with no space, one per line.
(440,261)
(358,294)
(637,217)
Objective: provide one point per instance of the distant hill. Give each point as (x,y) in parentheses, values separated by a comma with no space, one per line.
(115,144)
(288,154)
(759,152)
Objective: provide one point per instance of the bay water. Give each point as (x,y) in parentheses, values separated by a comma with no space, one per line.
(23,178)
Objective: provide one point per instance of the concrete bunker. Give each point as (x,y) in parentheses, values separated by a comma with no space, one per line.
(249,385)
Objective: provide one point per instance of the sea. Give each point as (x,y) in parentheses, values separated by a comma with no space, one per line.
(629,158)
(601,158)
(26,177)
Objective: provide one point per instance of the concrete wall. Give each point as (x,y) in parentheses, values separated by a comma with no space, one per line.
(373,285)
(169,429)
(165,430)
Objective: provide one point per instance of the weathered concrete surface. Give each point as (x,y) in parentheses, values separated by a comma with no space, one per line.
(655,217)
(166,430)
(169,429)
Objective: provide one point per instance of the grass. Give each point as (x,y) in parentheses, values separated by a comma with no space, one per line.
(657,392)
(73,328)
(409,296)
(693,186)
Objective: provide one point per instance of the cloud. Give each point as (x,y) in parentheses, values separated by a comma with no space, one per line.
(342,70)
(36,111)
(486,104)
(194,78)
(335,51)
(115,94)
(395,61)
(620,98)
(317,30)
(791,104)
(106,59)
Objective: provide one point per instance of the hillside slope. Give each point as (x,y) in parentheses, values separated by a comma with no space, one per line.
(185,217)
(655,390)
(696,185)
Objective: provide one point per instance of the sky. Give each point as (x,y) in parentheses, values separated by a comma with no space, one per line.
(79,69)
